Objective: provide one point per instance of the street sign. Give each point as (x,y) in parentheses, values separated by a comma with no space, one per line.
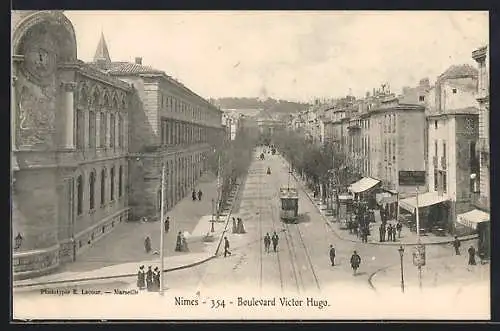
(412,178)
(419,256)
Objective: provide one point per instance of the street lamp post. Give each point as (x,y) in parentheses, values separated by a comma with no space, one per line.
(401,251)
(417,217)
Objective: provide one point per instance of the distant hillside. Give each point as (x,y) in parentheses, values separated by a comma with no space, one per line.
(271,105)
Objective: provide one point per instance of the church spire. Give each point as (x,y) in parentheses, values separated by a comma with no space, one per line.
(102,53)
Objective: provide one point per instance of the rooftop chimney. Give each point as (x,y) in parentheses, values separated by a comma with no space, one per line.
(138,60)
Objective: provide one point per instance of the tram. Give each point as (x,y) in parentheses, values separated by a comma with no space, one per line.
(289,199)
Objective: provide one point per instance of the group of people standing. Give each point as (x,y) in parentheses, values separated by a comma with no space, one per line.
(471,251)
(149,280)
(388,232)
(238,227)
(268,239)
(196,195)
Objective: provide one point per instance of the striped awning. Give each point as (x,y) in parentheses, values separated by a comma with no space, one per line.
(472,218)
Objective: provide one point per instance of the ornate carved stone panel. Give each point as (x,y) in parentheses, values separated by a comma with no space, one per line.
(36,118)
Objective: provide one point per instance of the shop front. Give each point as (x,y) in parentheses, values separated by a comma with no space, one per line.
(365,190)
(476,221)
(387,203)
(433,211)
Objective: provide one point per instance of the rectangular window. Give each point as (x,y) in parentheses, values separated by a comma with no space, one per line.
(435,148)
(435,180)
(454,91)
(112,136)
(102,129)
(444,149)
(120,131)
(421,98)
(80,127)
(444,181)
(162,132)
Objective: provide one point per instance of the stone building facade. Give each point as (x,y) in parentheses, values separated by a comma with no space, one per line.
(480,55)
(89,140)
(396,143)
(69,145)
(173,127)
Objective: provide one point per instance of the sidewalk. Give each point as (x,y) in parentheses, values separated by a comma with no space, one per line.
(122,251)
(442,272)
(408,238)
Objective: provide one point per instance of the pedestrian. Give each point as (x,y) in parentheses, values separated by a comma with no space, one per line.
(456,245)
(364,234)
(141,278)
(235,228)
(384,230)
(184,243)
(267,242)
(381,232)
(275,240)
(472,255)
(226,247)
(149,279)
(389,232)
(178,243)
(200,194)
(167,224)
(156,279)
(332,255)
(193,195)
(393,232)
(241,228)
(147,244)
(399,227)
(355,262)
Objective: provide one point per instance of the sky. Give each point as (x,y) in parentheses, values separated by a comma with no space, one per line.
(288,55)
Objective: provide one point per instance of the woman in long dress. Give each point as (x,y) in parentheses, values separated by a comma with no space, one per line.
(147,244)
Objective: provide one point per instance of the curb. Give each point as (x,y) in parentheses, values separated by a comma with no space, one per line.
(186,266)
(335,231)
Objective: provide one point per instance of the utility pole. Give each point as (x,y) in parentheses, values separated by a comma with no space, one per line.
(419,260)
(162,225)
(219,188)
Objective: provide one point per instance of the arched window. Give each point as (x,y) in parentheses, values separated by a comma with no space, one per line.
(120,181)
(112,183)
(79,195)
(80,127)
(102,129)
(103,187)
(92,190)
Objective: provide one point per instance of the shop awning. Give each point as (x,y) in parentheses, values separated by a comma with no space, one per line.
(385,198)
(424,200)
(472,218)
(363,184)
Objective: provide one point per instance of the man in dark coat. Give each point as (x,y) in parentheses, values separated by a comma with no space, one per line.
(389,232)
(381,232)
(178,244)
(267,242)
(355,261)
(332,255)
(226,247)
(456,245)
(149,279)
(193,195)
(399,227)
(147,244)
(200,194)
(156,279)
(141,278)
(275,240)
(472,255)
(167,224)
